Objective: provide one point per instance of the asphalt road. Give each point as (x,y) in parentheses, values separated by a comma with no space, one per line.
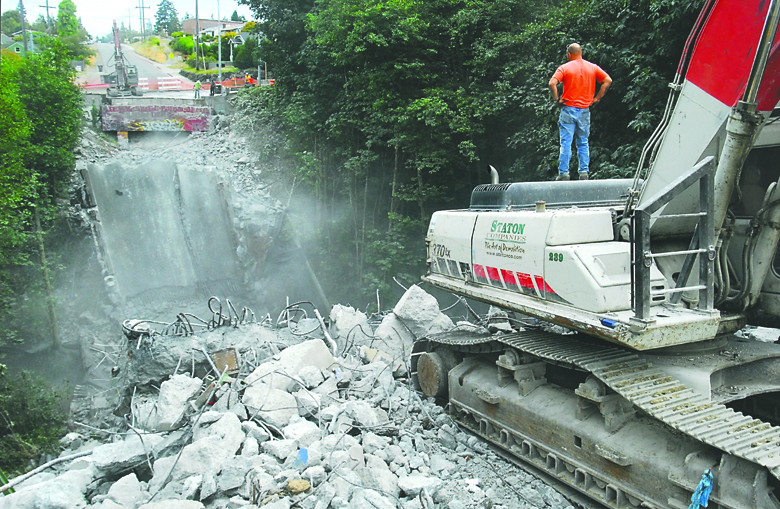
(146,68)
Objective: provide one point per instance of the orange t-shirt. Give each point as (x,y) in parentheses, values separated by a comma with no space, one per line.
(579,79)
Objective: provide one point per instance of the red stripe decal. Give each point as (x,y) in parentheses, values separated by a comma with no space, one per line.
(542,284)
(509,278)
(525,281)
(493,274)
(479,271)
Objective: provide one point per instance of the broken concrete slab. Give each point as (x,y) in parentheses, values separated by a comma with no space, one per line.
(273,406)
(280,449)
(127,491)
(196,459)
(172,401)
(279,372)
(413,484)
(253,430)
(311,376)
(233,473)
(394,337)
(113,459)
(174,504)
(303,432)
(349,324)
(56,493)
(419,311)
(228,429)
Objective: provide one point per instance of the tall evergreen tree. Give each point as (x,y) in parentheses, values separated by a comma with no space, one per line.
(166,19)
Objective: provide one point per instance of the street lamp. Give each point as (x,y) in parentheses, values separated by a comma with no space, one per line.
(219,45)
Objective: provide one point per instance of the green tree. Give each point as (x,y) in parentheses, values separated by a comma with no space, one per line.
(39,25)
(247,55)
(31,420)
(67,22)
(236,17)
(40,154)
(18,185)
(70,31)
(11,21)
(166,19)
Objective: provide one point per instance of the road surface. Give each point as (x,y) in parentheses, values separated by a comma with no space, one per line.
(146,68)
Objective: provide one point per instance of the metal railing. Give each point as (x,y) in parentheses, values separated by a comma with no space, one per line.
(702,245)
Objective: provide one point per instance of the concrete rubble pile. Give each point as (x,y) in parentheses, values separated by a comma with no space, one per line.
(291,427)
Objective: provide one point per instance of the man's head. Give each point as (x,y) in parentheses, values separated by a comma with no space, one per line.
(573,51)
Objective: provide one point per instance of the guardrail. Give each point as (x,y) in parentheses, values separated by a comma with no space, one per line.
(168,84)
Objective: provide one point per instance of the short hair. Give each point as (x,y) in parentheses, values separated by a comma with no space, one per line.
(574,49)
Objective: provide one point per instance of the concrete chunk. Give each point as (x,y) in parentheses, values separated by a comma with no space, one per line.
(233,473)
(271,405)
(172,401)
(196,459)
(419,311)
(280,449)
(347,323)
(290,362)
(127,491)
(304,432)
(53,494)
(113,459)
(412,485)
(227,428)
(173,504)
(396,338)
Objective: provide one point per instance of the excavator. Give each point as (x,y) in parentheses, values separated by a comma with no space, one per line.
(635,372)
(123,82)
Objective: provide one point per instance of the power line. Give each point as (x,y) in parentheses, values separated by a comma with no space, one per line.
(141,17)
(48,18)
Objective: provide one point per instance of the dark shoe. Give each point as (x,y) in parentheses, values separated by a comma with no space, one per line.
(584,175)
(562,176)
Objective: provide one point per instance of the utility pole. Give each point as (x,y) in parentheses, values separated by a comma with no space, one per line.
(48,18)
(24,29)
(129,18)
(219,44)
(141,17)
(196,38)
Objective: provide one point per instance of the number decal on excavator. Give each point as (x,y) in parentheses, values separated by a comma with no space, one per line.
(440,250)
(556,257)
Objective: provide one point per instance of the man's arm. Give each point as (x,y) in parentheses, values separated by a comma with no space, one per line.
(603,90)
(554,90)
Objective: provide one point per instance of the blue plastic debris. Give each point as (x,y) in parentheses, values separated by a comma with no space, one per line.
(609,323)
(701,496)
(303,458)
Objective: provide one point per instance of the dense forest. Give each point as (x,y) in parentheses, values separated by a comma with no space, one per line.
(387,110)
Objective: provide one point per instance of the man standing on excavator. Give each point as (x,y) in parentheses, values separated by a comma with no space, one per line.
(579,79)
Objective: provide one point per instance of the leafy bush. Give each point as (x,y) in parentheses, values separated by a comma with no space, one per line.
(183,45)
(32,420)
(247,55)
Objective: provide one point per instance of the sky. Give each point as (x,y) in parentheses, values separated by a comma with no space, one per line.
(97,16)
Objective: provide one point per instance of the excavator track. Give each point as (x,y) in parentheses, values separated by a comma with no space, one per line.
(635,378)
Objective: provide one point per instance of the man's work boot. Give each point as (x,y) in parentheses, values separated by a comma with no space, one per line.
(562,176)
(584,175)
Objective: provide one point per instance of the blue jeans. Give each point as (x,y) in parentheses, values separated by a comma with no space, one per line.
(574,123)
